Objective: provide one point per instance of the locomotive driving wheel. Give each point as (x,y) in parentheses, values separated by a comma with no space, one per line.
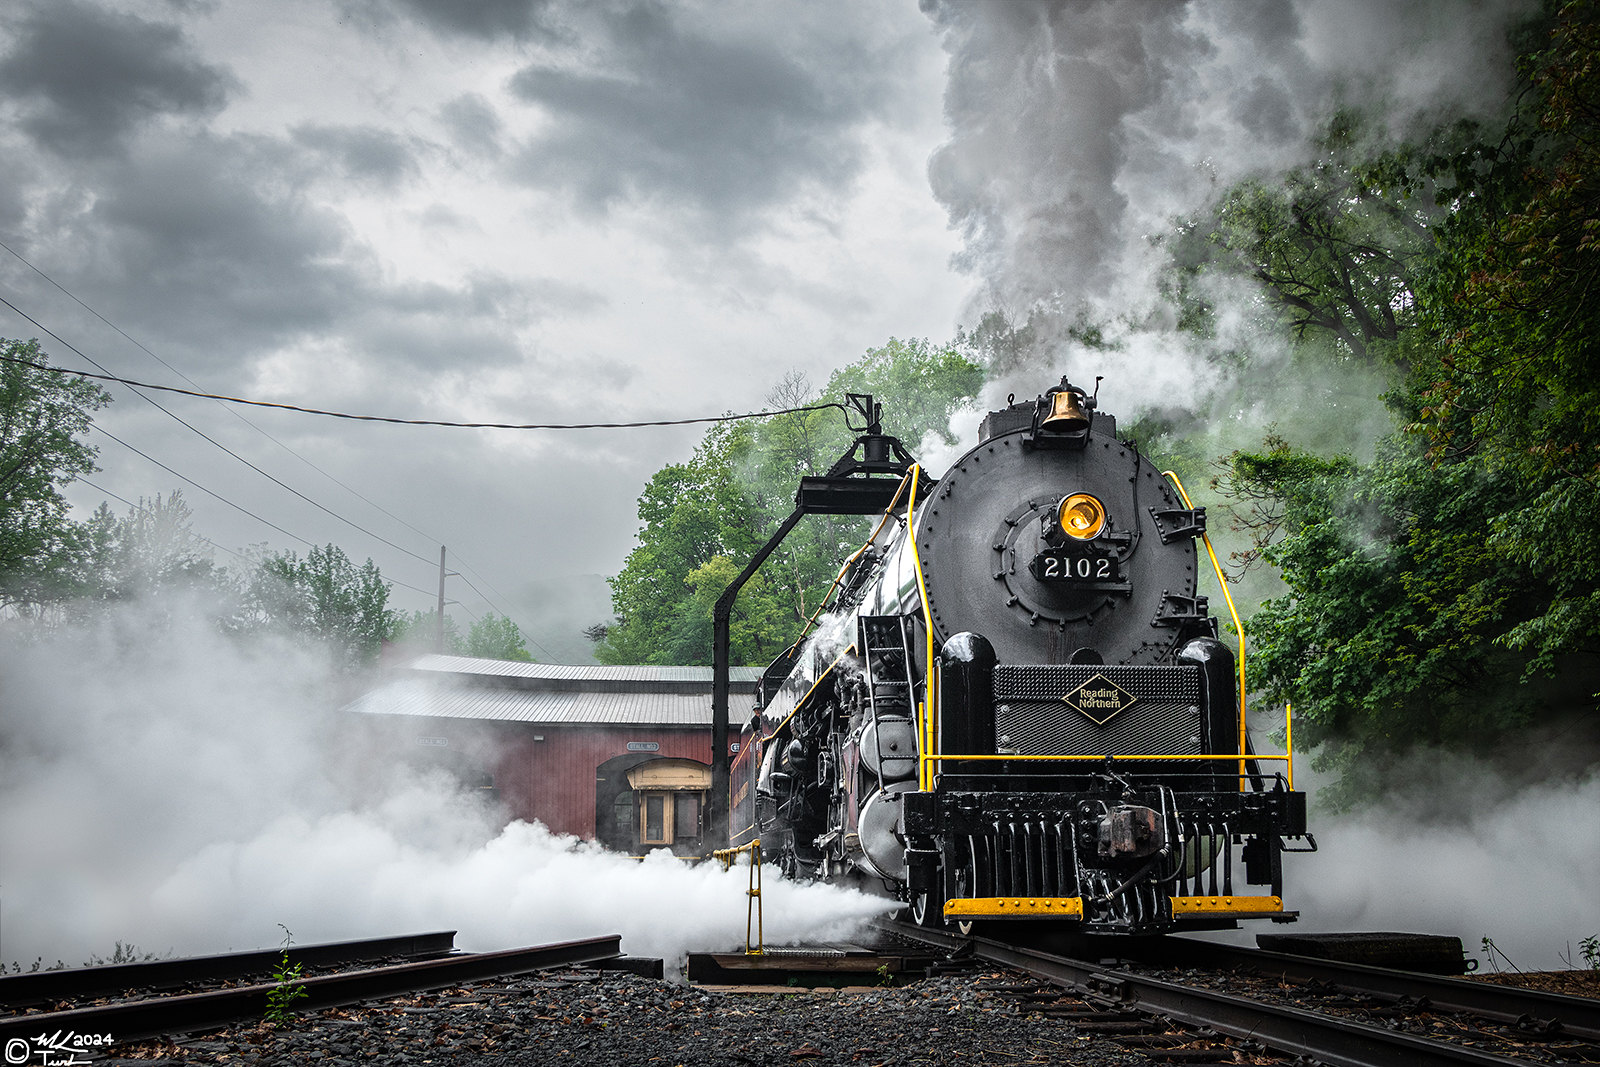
(927,909)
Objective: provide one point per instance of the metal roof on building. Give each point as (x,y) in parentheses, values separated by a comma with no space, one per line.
(460,687)
(580,673)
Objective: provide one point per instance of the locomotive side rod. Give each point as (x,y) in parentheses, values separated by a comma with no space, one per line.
(1293,1031)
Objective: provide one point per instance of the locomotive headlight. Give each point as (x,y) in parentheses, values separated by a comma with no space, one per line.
(1081,516)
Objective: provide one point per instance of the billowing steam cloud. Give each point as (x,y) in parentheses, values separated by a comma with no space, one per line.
(1079,129)
(1466,854)
(163,785)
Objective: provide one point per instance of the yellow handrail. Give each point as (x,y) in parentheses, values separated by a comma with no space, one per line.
(1222,581)
(925,709)
(752,906)
(802,701)
(1288,741)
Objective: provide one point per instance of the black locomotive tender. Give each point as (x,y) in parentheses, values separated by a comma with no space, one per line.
(1081,756)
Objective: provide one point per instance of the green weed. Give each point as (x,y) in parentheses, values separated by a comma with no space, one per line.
(287,988)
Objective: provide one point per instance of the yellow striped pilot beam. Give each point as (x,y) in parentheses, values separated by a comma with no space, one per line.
(1072,907)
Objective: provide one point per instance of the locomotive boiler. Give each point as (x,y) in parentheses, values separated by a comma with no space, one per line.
(1016,706)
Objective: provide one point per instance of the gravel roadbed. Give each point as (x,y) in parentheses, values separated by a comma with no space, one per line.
(611,1019)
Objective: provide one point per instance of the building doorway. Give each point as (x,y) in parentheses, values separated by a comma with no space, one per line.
(650,803)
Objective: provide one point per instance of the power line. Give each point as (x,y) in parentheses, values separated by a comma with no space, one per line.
(389,419)
(136,386)
(178,419)
(203,489)
(208,438)
(143,348)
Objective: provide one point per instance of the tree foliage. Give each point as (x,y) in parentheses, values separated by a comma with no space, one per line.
(1448,592)
(152,549)
(702,519)
(42,418)
(496,637)
(328,598)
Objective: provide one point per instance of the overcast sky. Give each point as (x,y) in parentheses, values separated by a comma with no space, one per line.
(532,210)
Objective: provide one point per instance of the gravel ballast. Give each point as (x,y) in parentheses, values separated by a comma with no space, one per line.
(611,1019)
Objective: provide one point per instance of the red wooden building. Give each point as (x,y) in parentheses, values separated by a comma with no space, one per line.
(616,754)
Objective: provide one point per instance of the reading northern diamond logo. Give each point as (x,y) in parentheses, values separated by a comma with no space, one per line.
(1100,699)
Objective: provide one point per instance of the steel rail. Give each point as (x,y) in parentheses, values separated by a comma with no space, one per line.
(1293,1031)
(1578,1016)
(39,987)
(132,1020)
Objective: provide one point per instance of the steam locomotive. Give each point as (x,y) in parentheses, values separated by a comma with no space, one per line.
(1017,707)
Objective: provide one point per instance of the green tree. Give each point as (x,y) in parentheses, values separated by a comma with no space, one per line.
(151,549)
(1391,633)
(1447,593)
(420,633)
(494,637)
(326,597)
(702,519)
(1516,301)
(1336,246)
(691,513)
(42,417)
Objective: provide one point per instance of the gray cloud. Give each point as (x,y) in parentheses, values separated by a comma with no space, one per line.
(200,238)
(473,124)
(86,77)
(214,244)
(486,19)
(329,231)
(367,154)
(661,109)
(442,328)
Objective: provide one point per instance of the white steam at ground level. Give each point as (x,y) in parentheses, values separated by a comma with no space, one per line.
(1472,858)
(166,786)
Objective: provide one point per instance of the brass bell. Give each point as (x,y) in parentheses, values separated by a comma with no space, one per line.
(1066,413)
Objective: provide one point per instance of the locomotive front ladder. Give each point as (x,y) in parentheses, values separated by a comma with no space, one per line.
(886,653)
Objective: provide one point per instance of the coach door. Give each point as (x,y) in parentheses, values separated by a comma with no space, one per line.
(669,799)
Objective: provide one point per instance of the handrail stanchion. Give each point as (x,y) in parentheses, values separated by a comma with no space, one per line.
(752,908)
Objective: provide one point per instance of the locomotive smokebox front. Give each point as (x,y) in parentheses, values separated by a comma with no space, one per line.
(1049,551)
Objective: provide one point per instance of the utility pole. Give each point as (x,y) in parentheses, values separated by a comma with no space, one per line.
(438,638)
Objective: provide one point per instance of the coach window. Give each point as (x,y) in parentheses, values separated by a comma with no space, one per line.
(685,816)
(657,807)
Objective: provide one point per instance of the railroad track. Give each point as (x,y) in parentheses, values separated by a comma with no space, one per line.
(1362,1016)
(142,1012)
(81,983)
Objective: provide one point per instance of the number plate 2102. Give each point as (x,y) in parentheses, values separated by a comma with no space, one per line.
(1066,565)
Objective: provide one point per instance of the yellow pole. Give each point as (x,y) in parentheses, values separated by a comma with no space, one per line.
(760,948)
(1288,740)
